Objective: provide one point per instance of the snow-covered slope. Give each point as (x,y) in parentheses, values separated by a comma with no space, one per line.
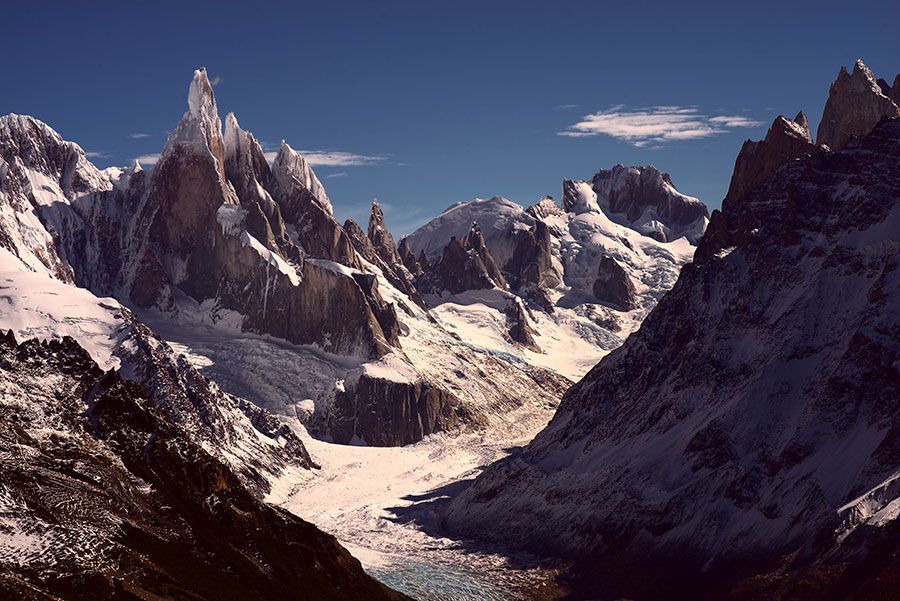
(750,427)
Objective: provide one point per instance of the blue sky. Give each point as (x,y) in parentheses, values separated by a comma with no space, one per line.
(435,102)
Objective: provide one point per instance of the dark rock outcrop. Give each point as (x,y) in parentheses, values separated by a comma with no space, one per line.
(407,258)
(785,141)
(118,502)
(475,243)
(894,93)
(463,266)
(395,271)
(531,264)
(856,103)
(613,285)
(381,412)
(380,236)
(520,330)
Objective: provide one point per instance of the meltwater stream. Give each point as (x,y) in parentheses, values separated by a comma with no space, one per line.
(428,581)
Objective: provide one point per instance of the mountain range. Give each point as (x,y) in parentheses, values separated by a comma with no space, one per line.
(726,383)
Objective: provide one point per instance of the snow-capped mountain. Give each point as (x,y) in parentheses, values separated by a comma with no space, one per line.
(586,275)
(642,198)
(241,266)
(743,443)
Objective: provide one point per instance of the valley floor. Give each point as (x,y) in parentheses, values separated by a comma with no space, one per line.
(380,503)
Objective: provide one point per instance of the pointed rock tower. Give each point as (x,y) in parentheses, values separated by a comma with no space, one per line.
(856,103)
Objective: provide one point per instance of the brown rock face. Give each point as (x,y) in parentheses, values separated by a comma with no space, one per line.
(407,258)
(381,237)
(396,273)
(895,91)
(475,242)
(786,140)
(457,271)
(856,103)
(313,227)
(531,263)
(382,412)
(463,266)
(613,284)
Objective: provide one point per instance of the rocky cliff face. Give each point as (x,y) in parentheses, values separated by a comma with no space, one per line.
(37,170)
(743,442)
(785,141)
(104,497)
(613,284)
(464,265)
(645,198)
(383,411)
(377,247)
(856,103)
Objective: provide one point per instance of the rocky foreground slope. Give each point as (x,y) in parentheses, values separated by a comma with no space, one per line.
(744,442)
(102,496)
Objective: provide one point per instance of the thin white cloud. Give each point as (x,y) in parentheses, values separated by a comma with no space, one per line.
(334,158)
(216,80)
(341,174)
(92,154)
(566,107)
(643,127)
(147,159)
(732,121)
(139,135)
(337,158)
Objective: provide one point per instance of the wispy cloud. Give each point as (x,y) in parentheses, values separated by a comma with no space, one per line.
(139,135)
(341,174)
(334,158)
(216,80)
(95,154)
(732,121)
(654,125)
(566,107)
(337,158)
(147,160)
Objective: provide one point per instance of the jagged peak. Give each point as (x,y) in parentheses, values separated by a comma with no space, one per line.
(201,100)
(42,149)
(200,127)
(798,127)
(859,65)
(237,139)
(291,169)
(895,90)
(856,103)
(376,212)
(803,122)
